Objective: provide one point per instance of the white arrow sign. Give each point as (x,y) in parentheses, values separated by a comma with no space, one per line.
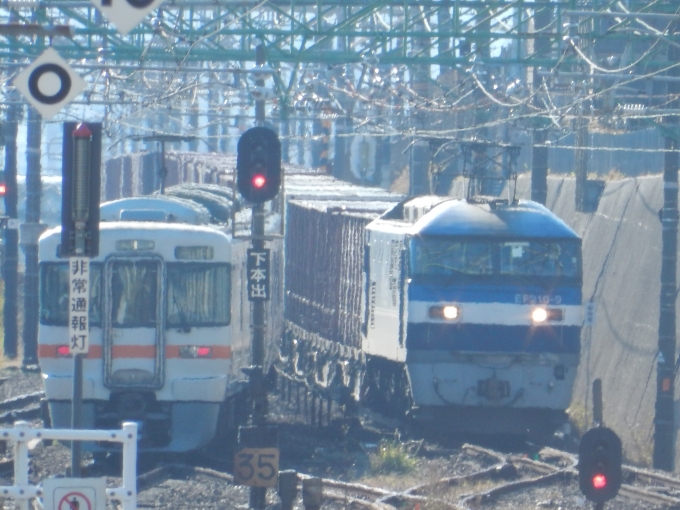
(49,83)
(126,14)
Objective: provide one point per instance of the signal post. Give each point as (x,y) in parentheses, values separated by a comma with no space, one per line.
(79,242)
(600,457)
(258,179)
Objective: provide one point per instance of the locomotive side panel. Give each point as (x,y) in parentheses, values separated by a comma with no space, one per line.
(386,298)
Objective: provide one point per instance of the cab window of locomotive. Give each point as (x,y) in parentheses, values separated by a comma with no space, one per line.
(540,258)
(450,257)
(198,295)
(134,293)
(54,294)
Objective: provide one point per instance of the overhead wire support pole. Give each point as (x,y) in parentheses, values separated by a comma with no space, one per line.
(664,417)
(29,234)
(10,260)
(30,231)
(539,153)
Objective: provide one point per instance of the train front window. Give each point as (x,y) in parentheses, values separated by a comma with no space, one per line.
(449,257)
(134,294)
(540,258)
(198,295)
(440,258)
(54,294)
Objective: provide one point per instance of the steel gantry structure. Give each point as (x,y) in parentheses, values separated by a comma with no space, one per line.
(190,55)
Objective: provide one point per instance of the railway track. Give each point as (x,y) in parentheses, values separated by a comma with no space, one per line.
(485,479)
(498,482)
(24,407)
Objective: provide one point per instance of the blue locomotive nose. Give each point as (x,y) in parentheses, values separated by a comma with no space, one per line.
(494,318)
(436,304)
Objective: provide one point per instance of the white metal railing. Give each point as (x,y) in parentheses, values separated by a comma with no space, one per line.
(22,491)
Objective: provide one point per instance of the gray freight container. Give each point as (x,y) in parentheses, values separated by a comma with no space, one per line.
(324,252)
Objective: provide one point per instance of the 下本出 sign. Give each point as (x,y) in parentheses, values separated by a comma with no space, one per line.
(258,274)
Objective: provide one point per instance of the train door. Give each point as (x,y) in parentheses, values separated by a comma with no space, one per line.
(133,322)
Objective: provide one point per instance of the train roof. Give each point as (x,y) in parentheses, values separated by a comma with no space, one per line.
(524,219)
(163,208)
(311,188)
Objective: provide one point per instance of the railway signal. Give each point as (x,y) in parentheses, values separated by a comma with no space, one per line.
(81,161)
(81,182)
(599,465)
(258,165)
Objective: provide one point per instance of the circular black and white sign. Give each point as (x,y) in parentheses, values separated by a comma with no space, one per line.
(126,14)
(49,83)
(140,4)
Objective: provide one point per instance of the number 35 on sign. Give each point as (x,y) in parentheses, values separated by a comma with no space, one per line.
(256,467)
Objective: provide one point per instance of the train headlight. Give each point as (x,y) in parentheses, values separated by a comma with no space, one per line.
(194,351)
(540,315)
(450,312)
(446,312)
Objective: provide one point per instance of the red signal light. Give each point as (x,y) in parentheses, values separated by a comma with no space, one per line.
(3,189)
(259,181)
(63,351)
(599,481)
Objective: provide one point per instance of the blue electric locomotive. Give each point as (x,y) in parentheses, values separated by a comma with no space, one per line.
(470,310)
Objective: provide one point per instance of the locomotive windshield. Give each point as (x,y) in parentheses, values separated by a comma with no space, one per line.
(437,257)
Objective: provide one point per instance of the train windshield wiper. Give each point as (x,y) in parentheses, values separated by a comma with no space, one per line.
(182,318)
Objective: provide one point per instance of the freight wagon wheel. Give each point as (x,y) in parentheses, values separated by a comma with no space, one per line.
(386,388)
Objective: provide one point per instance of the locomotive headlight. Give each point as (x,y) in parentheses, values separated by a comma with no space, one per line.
(450,312)
(446,312)
(539,315)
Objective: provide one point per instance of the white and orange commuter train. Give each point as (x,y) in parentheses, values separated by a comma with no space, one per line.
(169,321)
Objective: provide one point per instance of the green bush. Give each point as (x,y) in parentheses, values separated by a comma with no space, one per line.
(392,457)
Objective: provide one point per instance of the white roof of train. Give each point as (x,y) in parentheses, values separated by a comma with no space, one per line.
(163,208)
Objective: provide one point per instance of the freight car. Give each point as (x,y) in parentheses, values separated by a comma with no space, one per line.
(169,317)
(467,312)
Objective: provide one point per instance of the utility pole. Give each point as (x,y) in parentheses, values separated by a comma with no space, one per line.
(11,253)
(664,416)
(30,232)
(539,153)
(581,158)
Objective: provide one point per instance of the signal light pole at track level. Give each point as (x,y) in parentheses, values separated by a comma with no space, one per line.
(258,495)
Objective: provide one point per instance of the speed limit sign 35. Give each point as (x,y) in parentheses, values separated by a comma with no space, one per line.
(49,84)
